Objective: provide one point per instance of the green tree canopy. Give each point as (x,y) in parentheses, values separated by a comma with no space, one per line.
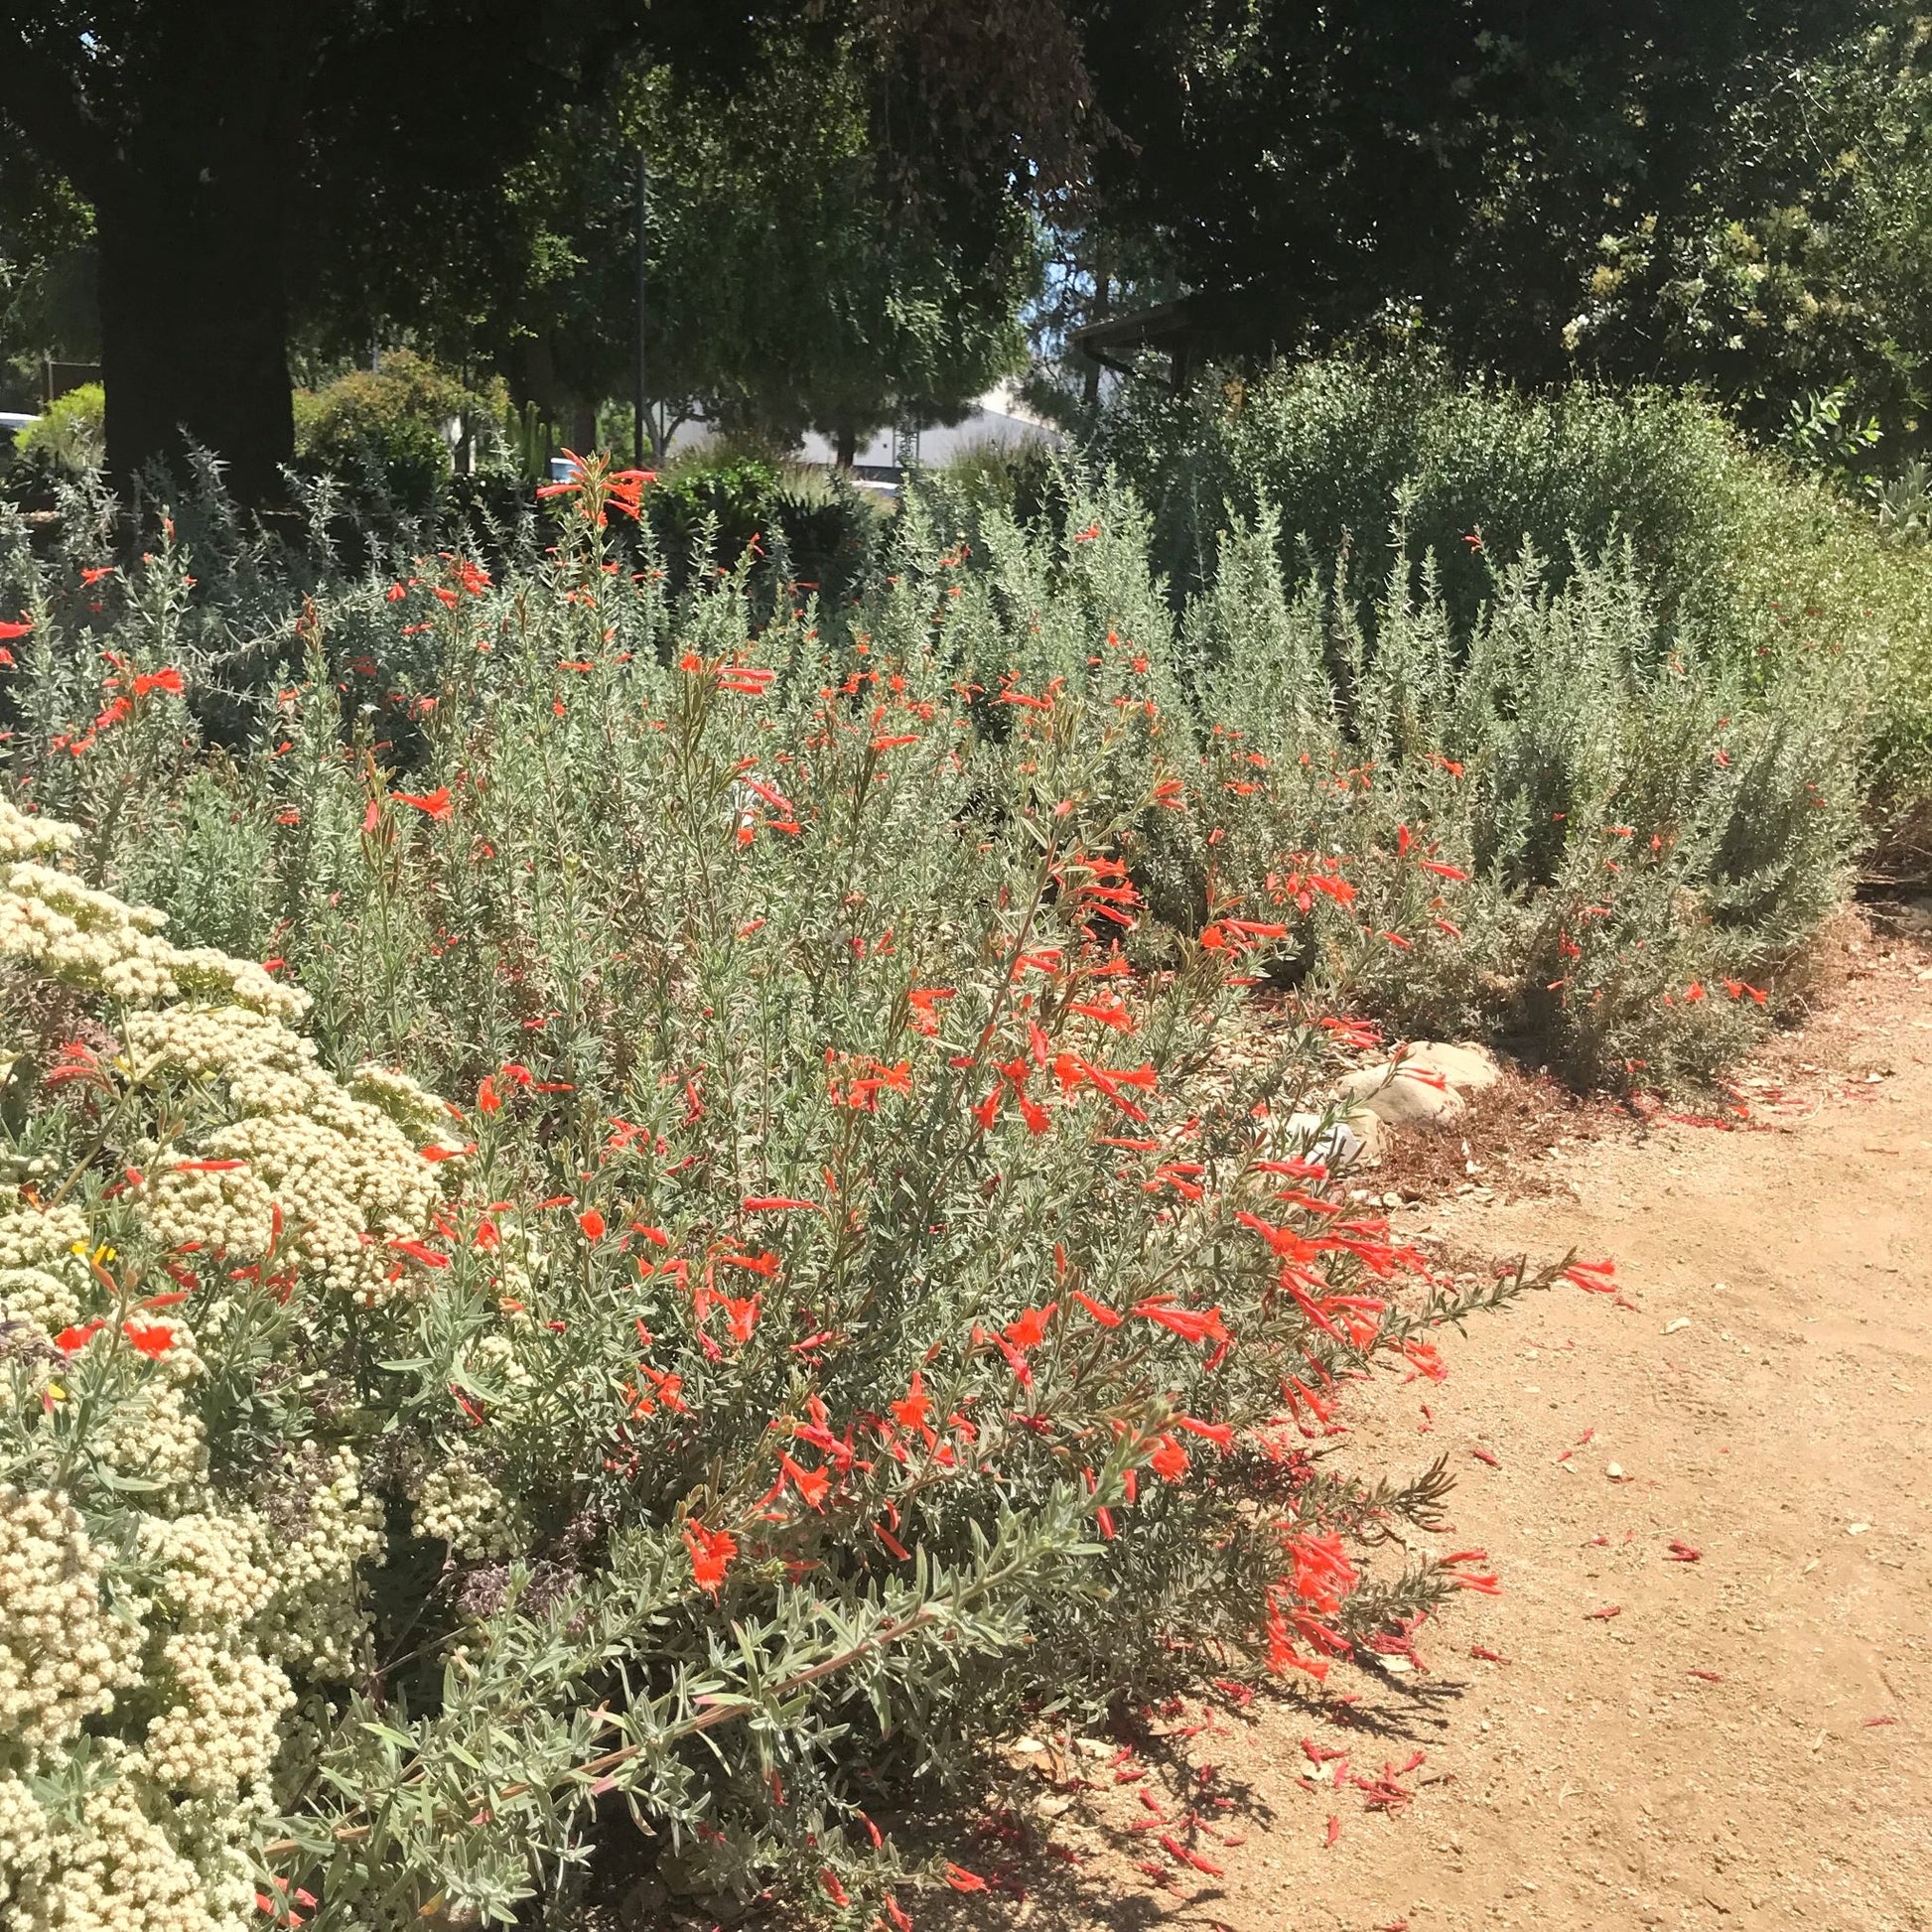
(791,283)
(1805,265)
(244,159)
(1321,167)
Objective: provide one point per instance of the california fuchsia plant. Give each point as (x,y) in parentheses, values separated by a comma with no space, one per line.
(721,1258)
(837,1313)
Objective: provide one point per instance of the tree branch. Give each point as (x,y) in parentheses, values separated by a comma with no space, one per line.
(48,108)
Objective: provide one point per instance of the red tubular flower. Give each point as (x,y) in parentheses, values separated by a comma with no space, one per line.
(1220,1434)
(811,1484)
(1424,1357)
(712,1552)
(152,1340)
(1016,1359)
(1324,1575)
(1281,1655)
(1595,1276)
(417,1251)
(1188,1323)
(1181,1856)
(1030,1330)
(917,1406)
(436,804)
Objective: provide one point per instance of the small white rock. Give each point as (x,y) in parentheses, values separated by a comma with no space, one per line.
(1856,1529)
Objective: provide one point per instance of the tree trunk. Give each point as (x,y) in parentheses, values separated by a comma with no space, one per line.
(845,448)
(191,215)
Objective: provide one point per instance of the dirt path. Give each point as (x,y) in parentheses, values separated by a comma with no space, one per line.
(1747,1740)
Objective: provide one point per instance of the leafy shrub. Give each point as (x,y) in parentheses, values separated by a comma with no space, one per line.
(1400,459)
(854,1309)
(1361,465)
(71,435)
(389,427)
(710,508)
(1556,832)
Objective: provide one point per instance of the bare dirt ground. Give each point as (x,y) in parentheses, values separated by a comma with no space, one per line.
(1709,1500)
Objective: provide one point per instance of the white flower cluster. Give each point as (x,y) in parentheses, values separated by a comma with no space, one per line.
(417,1111)
(495,1359)
(26,1843)
(191,1656)
(205,1572)
(152,1435)
(61,1653)
(457,1504)
(26,837)
(229,1603)
(315,1624)
(98,942)
(218,1734)
(343,1174)
(115,1871)
(42,1269)
(340,1162)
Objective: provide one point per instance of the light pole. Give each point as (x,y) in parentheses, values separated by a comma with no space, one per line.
(638,397)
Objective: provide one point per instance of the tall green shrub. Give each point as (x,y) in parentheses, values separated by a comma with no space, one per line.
(392,426)
(71,434)
(1365,468)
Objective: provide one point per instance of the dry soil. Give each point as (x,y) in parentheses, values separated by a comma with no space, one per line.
(1736,1737)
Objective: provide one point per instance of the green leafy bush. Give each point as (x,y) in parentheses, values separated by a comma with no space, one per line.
(1364,465)
(391,427)
(710,508)
(1375,461)
(853,1306)
(1555,831)
(71,435)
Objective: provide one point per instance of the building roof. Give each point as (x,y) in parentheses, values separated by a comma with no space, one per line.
(1187,330)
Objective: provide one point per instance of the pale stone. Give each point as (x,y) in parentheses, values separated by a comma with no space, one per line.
(1470,1067)
(1372,1133)
(1398,1098)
